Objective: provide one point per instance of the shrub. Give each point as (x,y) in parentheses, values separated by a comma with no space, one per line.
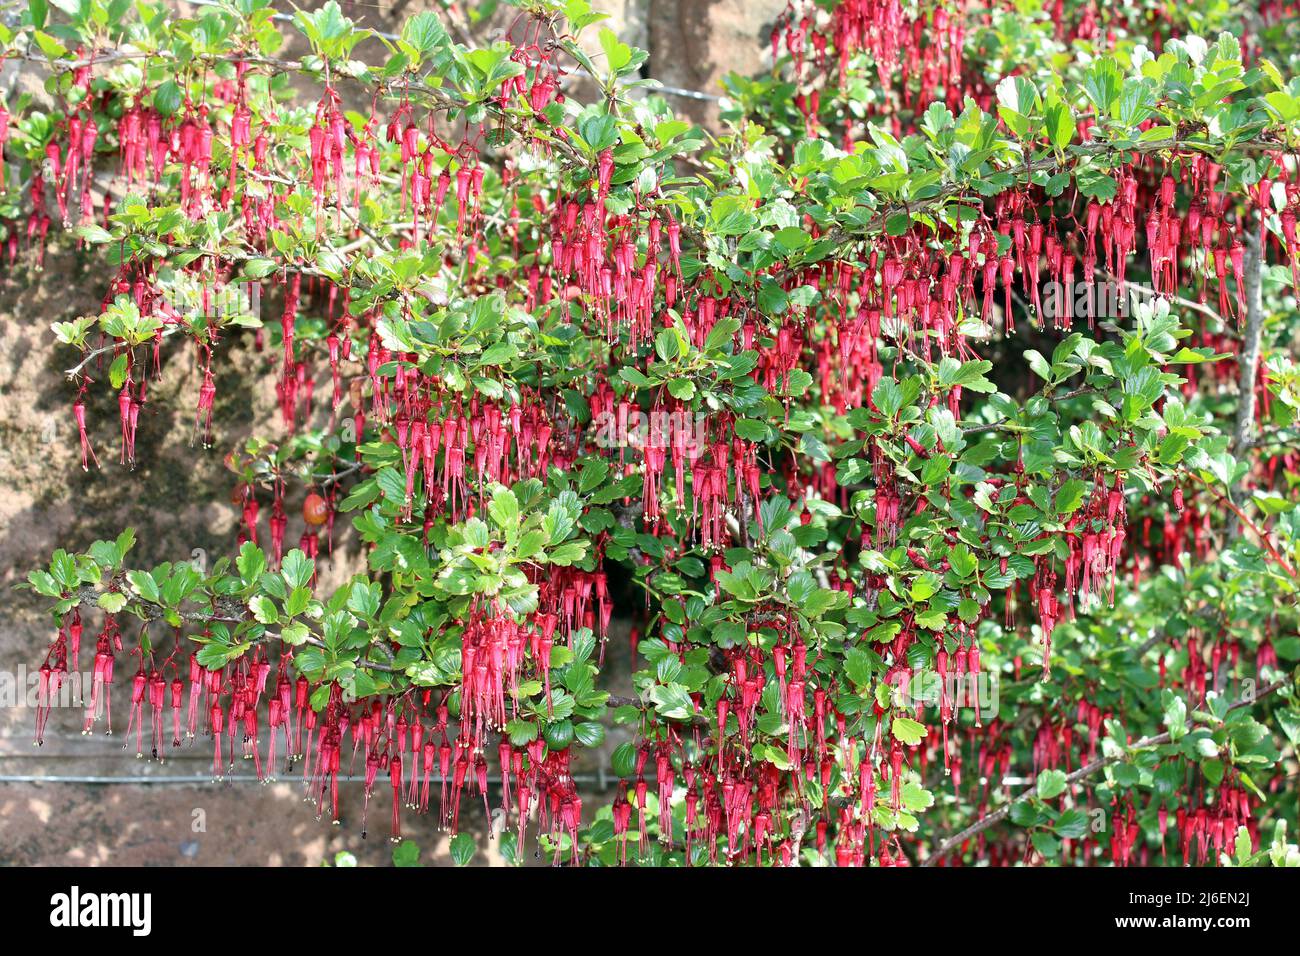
(931,425)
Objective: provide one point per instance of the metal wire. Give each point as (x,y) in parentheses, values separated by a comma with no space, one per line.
(601,780)
(601,776)
(688,94)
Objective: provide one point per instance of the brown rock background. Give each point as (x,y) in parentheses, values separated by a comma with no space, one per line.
(177,499)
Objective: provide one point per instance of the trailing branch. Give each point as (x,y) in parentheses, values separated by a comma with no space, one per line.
(224,611)
(988,820)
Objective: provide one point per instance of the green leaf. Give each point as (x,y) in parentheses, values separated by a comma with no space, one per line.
(1045,843)
(667,345)
(93,233)
(406,853)
(43,583)
(589,734)
(425,33)
(1059,123)
(908,731)
(264,609)
(297,569)
(962,561)
(145,586)
(559,735)
(623,760)
(593,475)
(1243,848)
(112,601)
(295,634)
(672,701)
(887,397)
(1051,783)
(51,47)
(167,98)
(117,372)
(258,268)
(504,509)
(250,563)
(1176,717)
(851,471)
(363,599)
(617,53)
(1071,824)
(1070,497)
(462,848)
(682,388)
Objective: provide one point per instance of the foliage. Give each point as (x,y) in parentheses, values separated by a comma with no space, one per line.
(828,421)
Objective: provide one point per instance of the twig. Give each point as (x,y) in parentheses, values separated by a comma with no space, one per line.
(986,821)
(617,700)
(339,475)
(1239,515)
(879,220)
(1002,422)
(1168,297)
(224,610)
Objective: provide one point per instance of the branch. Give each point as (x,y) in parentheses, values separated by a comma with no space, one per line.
(798,828)
(104,349)
(1248,360)
(340,475)
(879,220)
(225,610)
(1239,515)
(399,88)
(1002,422)
(615,700)
(957,839)
(1168,297)
(1156,638)
(1276,436)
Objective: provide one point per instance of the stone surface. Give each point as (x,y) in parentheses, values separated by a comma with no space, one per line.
(695,43)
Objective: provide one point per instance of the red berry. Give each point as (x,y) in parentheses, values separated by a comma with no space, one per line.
(315,510)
